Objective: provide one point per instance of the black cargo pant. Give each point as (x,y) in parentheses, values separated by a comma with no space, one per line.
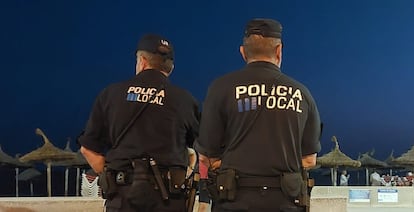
(120,203)
(255,199)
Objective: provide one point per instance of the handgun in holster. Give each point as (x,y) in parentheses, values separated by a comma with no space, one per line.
(107,183)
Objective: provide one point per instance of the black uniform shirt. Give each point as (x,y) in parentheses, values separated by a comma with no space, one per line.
(259,121)
(164,129)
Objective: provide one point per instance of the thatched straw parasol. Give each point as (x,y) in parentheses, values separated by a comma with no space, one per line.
(78,162)
(406,159)
(334,159)
(367,161)
(7,160)
(47,154)
(29,175)
(392,164)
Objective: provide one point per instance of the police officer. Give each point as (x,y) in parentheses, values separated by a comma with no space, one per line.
(140,118)
(260,127)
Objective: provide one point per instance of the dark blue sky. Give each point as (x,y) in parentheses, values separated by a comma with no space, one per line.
(355,56)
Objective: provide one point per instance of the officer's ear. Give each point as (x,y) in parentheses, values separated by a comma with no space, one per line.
(141,63)
(169,73)
(278,53)
(241,49)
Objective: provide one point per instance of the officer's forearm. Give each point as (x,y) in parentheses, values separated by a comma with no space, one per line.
(95,160)
(213,163)
(192,156)
(309,161)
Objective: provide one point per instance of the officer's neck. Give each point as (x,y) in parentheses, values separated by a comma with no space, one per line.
(151,69)
(275,61)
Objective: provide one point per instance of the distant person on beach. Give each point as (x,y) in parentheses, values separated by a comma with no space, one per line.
(138,134)
(375,179)
(262,126)
(343,180)
(409,178)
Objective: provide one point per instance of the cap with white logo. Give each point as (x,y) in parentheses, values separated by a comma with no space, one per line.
(156,44)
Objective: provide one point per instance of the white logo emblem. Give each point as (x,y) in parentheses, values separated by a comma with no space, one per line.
(165,43)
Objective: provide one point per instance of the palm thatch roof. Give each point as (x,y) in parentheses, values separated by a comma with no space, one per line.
(390,159)
(336,158)
(368,161)
(78,161)
(29,174)
(406,158)
(7,160)
(48,152)
(391,163)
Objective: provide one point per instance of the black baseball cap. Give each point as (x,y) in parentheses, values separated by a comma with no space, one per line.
(263,27)
(156,44)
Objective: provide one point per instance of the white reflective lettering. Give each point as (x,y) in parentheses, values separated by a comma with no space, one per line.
(298,106)
(253,90)
(130,89)
(240,90)
(271,102)
(297,94)
(281,102)
(281,90)
(280,97)
(291,105)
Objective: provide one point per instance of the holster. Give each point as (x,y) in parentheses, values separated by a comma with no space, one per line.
(291,184)
(176,180)
(227,184)
(107,183)
(304,198)
(295,185)
(148,179)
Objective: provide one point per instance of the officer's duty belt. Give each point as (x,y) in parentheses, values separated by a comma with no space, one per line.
(123,177)
(270,182)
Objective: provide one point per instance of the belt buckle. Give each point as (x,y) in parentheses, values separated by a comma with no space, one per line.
(120,178)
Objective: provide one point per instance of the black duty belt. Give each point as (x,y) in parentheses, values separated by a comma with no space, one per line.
(126,177)
(123,177)
(269,182)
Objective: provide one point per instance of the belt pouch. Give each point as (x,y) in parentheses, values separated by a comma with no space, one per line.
(176,180)
(227,184)
(107,183)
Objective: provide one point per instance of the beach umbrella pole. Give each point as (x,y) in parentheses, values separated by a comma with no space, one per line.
(17,181)
(31,188)
(49,178)
(367,176)
(77,180)
(66,181)
(358,177)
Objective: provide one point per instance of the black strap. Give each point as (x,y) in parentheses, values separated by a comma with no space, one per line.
(135,117)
